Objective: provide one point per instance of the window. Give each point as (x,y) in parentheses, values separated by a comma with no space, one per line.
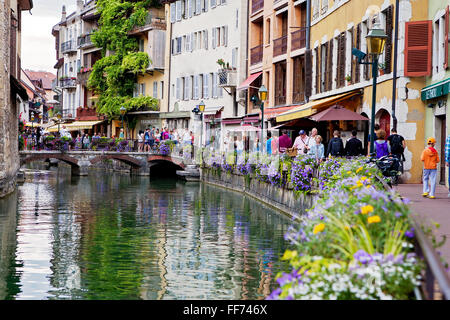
(178,7)
(141,45)
(136,90)
(155,89)
(237,19)
(173,12)
(195,95)
(205,86)
(198,6)
(213,4)
(179,86)
(205,39)
(162,89)
(142,89)
(213,85)
(186,88)
(234,54)
(200,86)
(191,8)
(214,35)
(267,31)
(205,5)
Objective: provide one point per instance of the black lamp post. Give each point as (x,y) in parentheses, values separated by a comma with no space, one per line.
(201,109)
(262,96)
(375,46)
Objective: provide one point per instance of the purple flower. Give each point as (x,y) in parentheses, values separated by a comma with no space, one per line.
(363,257)
(410,233)
(274,295)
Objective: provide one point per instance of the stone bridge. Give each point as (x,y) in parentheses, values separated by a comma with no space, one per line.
(80,161)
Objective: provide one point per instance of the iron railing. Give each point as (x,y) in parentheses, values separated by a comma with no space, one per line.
(68,46)
(257,5)
(298,39)
(280,46)
(256,54)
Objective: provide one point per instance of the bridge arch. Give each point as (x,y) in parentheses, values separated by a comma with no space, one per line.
(43,156)
(133,162)
(164,166)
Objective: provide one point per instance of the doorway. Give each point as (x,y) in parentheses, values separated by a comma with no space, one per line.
(441,140)
(384,120)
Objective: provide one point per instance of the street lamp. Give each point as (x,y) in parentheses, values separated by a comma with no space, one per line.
(201,108)
(375,46)
(122,113)
(59,116)
(262,92)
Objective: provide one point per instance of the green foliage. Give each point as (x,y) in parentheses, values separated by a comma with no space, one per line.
(114,75)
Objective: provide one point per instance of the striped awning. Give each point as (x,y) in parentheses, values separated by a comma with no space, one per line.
(75,126)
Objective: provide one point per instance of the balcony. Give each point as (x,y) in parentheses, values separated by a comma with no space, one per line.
(68,47)
(152,21)
(68,83)
(227,78)
(280,100)
(85,41)
(298,39)
(280,46)
(83,76)
(298,97)
(256,54)
(257,5)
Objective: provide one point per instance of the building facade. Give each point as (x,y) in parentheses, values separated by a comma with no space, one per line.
(12,92)
(207,62)
(436,95)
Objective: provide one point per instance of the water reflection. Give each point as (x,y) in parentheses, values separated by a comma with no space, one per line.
(120,237)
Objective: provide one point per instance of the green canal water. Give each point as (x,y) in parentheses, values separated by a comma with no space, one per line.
(112,236)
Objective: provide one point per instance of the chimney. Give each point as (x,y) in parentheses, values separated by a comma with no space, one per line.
(63,17)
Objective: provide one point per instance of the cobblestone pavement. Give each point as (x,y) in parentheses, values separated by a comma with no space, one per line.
(428,211)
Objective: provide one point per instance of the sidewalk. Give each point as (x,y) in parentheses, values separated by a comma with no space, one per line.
(430,210)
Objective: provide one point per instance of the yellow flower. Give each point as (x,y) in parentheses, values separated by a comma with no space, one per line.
(370,174)
(349,172)
(373,219)
(347,228)
(363,178)
(319,228)
(359,184)
(359,169)
(366,209)
(289,254)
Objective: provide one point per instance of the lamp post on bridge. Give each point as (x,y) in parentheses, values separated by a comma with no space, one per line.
(262,92)
(122,113)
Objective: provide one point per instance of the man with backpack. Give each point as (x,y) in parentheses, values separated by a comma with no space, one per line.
(397,144)
(335,146)
(147,144)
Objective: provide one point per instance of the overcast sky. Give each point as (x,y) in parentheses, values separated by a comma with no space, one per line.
(38,44)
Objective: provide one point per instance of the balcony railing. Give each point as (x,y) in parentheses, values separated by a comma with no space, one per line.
(256,54)
(298,97)
(227,78)
(68,46)
(257,5)
(68,83)
(280,100)
(280,46)
(298,39)
(84,41)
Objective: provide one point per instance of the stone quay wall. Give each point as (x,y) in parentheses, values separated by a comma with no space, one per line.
(9,151)
(282,199)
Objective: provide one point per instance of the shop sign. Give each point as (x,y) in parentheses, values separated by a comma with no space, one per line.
(436,90)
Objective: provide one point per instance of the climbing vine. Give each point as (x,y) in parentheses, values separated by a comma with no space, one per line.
(113,77)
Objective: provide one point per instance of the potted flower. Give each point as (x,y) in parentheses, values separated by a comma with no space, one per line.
(381,67)
(221,63)
(348,78)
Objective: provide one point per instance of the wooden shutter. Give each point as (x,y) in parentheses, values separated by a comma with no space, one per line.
(352,67)
(388,45)
(330,66)
(225,36)
(340,74)
(358,46)
(206,39)
(318,69)
(308,73)
(173,12)
(446,21)
(418,35)
(213,43)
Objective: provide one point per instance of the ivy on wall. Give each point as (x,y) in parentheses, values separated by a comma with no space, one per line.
(113,77)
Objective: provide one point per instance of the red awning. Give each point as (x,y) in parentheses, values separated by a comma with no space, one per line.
(246,84)
(337,112)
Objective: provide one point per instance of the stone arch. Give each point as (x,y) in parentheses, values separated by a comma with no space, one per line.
(42,156)
(159,158)
(133,162)
(383,118)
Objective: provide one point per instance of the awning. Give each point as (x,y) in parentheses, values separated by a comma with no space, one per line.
(175,114)
(246,84)
(308,109)
(18,88)
(75,126)
(435,90)
(29,124)
(212,110)
(337,112)
(270,113)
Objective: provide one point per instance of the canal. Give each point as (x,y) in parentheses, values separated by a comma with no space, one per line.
(113,236)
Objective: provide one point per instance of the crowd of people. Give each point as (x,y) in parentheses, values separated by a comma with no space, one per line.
(150,138)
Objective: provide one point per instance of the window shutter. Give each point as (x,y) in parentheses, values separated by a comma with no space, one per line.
(205,37)
(191,5)
(234,57)
(205,86)
(205,5)
(214,85)
(330,66)
(225,36)
(178,88)
(198,7)
(341,65)
(317,52)
(155,90)
(195,87)
(186,88)
(192,42)
(172,12)
(213,3)
(308,73)
(358,46)
(388,46)
(446,21)
(213,43)
(418,42)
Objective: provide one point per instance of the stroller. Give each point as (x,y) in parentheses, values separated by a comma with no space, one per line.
(391,167)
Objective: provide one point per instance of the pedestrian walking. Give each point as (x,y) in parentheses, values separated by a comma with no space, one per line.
(317,150)
(382,148)
(353,147)
(121,134)
(301,142)
(335,146)
(269,143)
(284,142)
(430,159)
(397,144)
(140,141)
(85,141)
(312,138)
(447,160)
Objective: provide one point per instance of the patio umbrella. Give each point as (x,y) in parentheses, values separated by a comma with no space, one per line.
(337,112)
